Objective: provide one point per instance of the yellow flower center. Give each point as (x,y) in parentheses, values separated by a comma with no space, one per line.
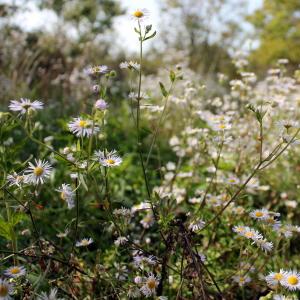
(82,124)
(3,290)
(63,195)
(278,276)
(110,161)
(242,279)
(138,14)
(151,284)
(249,234)
(84,242)
(293,280)
(38,171)
(240,229)
(222,126)
(15,270)
(259,214)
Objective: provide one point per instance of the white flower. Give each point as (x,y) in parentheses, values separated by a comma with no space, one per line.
(15,272)
(239,229)
(110,159)
(121,240)
(291,280)
(101,104)
(84,242)
(131,65)
(241,280)
(67,194)
(264,244)
(102,69)
(24,105)
(279,297)
(36,174)
(232,180)
(6,289)
(148,220)
(196,225)
(52,295)
(149,287)
(15,179)
(140,14)
(260,214)
(81,127)
(274,278)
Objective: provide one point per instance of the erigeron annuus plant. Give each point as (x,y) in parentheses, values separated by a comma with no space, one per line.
(199,229)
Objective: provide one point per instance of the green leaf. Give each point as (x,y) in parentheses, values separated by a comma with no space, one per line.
(163,90)
(172,76)
(82,181)
(16,218)
(5,230)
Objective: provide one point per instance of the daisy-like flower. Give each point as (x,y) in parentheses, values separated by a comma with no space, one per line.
(36,174)
(67,194)
(264,244)
(150,285)
(6,289)
(196,225)
(25,105)
(148,220)
(287,124)
(15,271)
(131,65)
(15,179)
(275,278)
(241,280)
(110,159)
(81,127)
(232,180)
(94,70)
(260,214)
(51,296)
(101,104)
(140,14)
(121,240)
(84,242)
(240,230)
(252,234)
(291,280)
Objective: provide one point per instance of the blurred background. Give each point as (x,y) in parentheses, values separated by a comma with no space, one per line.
(45,44)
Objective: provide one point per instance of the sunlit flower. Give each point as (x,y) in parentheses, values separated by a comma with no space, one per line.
(84,242)
(109,159)
(260,214)
(15,271)
(101,69)
(275,278)
(6,289)
(131,65)
(67,194)
(150,285)
(25,105)
(81,127)
(140,14)
(291,280)
(38,173)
